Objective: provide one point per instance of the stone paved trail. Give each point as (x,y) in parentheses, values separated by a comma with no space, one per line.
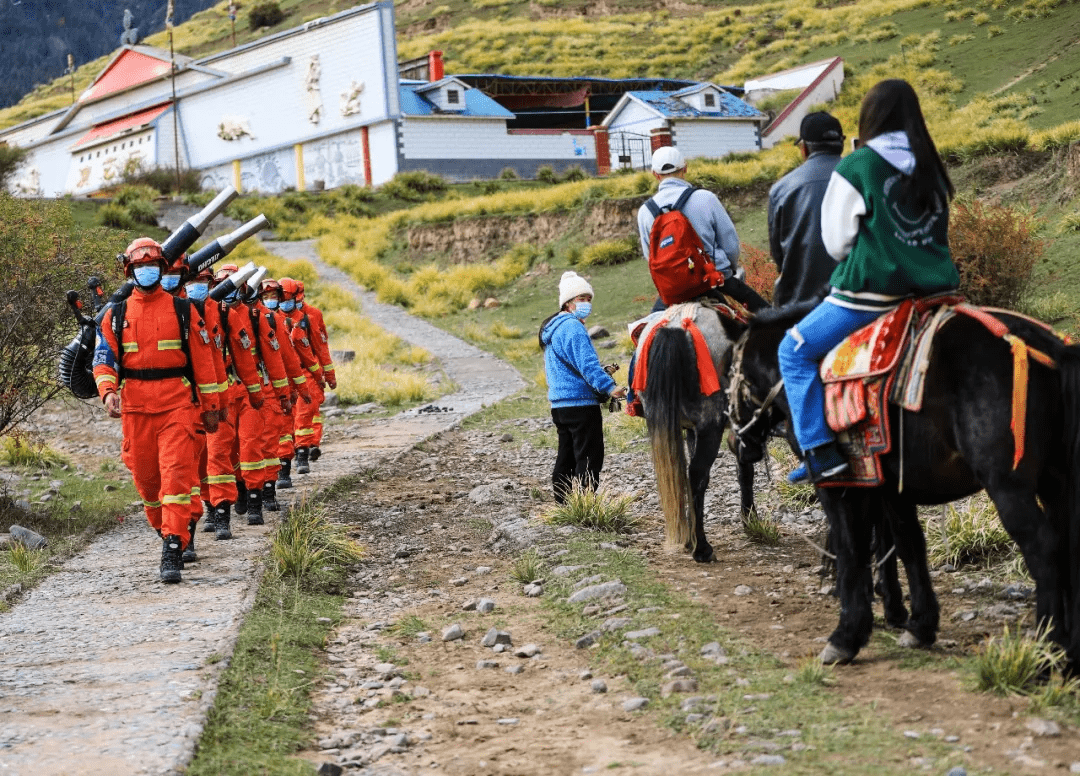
(104,670)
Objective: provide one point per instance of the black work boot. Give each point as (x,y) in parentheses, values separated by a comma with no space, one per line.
(172,561)
(208,517)
(221,521)
(241,505)
(302,460)
(284,481)
(269,498)
(315,453)
(189,551)
(254,507)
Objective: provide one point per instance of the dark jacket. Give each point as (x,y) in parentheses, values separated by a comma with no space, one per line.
(795,231)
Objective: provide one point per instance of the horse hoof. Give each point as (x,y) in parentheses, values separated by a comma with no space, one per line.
(909,640)
(705,557)
(833,654)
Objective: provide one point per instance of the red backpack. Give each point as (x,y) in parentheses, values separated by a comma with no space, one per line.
(678,263)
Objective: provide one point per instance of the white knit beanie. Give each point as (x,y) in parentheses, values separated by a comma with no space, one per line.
(572,285)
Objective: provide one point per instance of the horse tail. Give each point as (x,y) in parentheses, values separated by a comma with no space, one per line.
(671,391)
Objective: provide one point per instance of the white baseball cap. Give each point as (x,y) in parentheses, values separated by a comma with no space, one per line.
(667,159)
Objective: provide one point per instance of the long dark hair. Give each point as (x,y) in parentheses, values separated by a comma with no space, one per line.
(891,106)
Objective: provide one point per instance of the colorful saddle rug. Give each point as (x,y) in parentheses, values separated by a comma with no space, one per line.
(858,375)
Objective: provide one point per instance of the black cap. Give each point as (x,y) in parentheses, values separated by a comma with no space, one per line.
(820,127)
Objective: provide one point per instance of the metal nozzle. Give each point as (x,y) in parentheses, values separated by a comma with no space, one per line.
(184,237)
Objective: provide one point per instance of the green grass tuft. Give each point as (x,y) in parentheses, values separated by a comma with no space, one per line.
(761,530)
(528,567)
(599,510)
(308,549)
(970,534)
(1013,663)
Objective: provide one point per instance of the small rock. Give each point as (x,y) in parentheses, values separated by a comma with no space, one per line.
(587,640)
(330,769)
(613,588)
(586,674)
(957,771)
(469,606)
(482,570)
(423,637)
(743,590)
(768,759)
(485,605)
(564,571)
(420,692)
(1043,728)
(644,633)
(633,704)
(533,590)
(514,669)
(678,686)
(911,734)
(599,686)
(1074,768)
(507,437)
(713,648)
(109,487)
(452,633)
(495,636)
(507,721)
(616,623)
(485,664)
(459,582)
(951,739)
(527,651)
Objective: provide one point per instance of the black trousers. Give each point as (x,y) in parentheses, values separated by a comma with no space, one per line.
(581,448)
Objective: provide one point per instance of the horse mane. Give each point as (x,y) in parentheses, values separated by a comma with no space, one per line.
(786,316)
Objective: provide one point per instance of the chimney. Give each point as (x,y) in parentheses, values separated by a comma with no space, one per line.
(435,66)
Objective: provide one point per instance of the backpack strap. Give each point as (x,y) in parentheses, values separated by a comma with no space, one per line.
(680,203)
(118,311)
(183,317)
(653,207)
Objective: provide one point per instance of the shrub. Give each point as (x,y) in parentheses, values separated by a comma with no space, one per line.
(414,186)
(10,159)
(610,252)
(574,173)
(308,549)
(115,216)
(163,180)
(266,14)
(545,173)
(528,567)
(972,534)
(995,249)
(143,211)
(508,174)
(761,272)
(42,252)
(130,193)
(761,530)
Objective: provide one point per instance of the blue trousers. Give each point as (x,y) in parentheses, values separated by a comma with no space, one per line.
(801,351)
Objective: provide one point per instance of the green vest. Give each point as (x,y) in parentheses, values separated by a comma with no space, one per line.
(897,251)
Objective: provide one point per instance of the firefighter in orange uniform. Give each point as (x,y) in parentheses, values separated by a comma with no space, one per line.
(303,413)
(321,341)
(154,369)
(279,418)
(258,430)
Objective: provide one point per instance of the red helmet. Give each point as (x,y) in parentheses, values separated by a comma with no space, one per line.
(224,271)
(142,251)
(300,290)
(269,285)
(289,288)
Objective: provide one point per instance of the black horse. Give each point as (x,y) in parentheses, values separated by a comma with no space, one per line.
(674,404)
(959,443)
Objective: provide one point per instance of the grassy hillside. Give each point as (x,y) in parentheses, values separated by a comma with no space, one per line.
(1023,49)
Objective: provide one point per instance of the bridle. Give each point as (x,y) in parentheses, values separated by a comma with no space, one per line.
(739,389)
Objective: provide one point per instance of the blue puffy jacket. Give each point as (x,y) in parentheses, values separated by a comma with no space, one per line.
(575,377)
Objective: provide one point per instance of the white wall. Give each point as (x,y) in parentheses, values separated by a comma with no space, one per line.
(713,138)
(334,160)
(383,139)
(155,91)
(104,163)
(464,138)
(637,120)
(826,91)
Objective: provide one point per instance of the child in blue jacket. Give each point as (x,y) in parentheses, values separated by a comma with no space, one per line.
(577,384)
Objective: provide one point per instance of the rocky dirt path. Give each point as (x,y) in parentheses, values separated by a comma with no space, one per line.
(103,670)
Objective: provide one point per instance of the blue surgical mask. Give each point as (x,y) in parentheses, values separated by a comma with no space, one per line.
(271,304)
(582,310)
(147,275)
(197,291)
(288,305)
(170,282)
(299,305)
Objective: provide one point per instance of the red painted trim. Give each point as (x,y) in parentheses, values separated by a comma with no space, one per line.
(366,144)
(603,150)
(802,96)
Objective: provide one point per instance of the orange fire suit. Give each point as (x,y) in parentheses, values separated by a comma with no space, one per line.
(158,408)
(255,432)
(307,348)
(279,418)
(200,489)
(304,412)
(243,381)
(321,340)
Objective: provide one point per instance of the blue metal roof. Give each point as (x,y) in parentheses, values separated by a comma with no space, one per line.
(672,107)
(476,103)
